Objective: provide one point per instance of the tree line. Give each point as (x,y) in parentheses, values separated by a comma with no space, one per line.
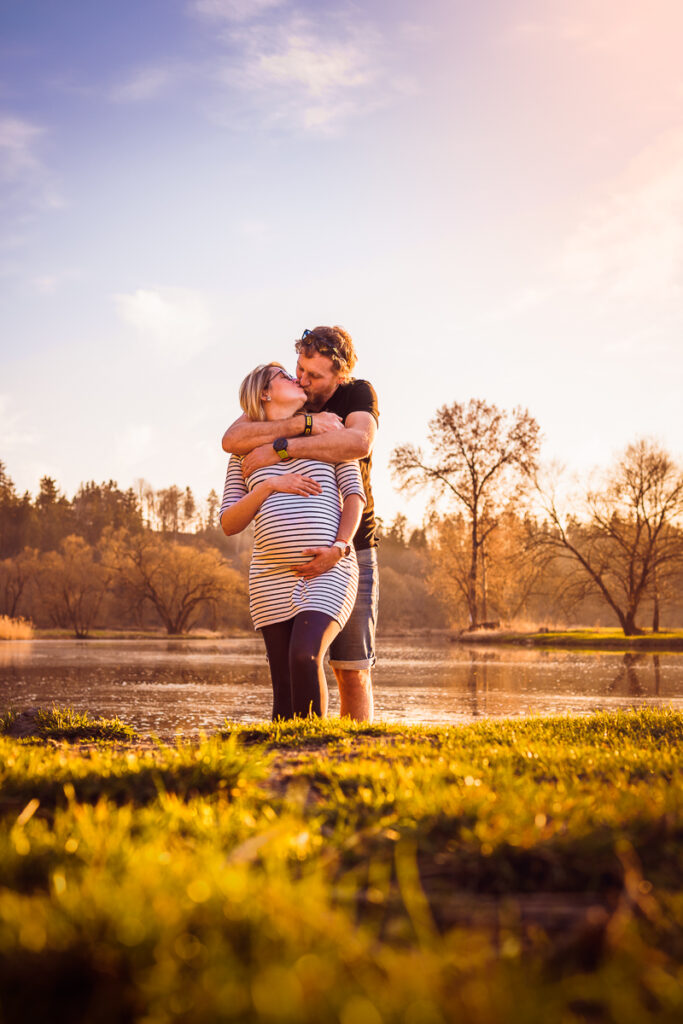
(137,558)
(516,540)
(42,523)
(503,542)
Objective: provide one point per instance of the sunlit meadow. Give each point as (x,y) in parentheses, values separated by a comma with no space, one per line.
(321,872)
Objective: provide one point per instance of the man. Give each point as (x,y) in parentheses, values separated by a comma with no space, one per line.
(341,424)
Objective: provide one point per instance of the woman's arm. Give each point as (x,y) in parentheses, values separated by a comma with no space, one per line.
(237,516)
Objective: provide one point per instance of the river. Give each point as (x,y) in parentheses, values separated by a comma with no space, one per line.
(186,686)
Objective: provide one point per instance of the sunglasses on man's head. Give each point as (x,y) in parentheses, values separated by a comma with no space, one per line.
(323,347)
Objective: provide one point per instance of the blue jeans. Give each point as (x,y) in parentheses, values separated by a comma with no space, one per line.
(354,647)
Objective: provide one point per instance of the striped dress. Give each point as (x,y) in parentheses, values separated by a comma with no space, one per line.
(285,524)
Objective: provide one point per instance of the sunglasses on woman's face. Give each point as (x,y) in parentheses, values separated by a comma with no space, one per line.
(281,373)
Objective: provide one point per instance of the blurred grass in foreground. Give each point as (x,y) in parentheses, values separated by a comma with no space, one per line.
(523,870)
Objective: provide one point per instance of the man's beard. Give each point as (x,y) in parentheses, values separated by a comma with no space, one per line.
(313,405)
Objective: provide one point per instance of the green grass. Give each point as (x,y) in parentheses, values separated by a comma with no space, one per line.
(65,724)
(588,639)
(611,634)
(523,870)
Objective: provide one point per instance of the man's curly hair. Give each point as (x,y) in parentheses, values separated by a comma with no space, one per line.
(333,342)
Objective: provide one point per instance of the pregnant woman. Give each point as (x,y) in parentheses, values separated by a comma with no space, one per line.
(299,506)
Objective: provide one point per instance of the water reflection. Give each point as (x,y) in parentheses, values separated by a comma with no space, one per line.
(626,678)
(638,675)
(476,686)
(164,686)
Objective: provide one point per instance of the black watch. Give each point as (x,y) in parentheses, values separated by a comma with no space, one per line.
(280,446)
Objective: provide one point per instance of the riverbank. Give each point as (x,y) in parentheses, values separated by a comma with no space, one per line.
(578,639)
(142,634)
(315,872)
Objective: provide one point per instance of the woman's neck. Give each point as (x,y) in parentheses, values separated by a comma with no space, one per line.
(282,410)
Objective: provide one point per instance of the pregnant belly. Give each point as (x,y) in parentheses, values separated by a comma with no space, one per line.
(282,534)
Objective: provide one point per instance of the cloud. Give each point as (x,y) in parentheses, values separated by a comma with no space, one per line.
(273,63)
(313,68)
(50,284)
(177,322)
(18,146)
(629,245)
(145,84)
(319,71)
(233,10)
(28,185)
(313,76)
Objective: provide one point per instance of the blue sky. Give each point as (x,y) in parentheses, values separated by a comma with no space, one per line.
(489,197)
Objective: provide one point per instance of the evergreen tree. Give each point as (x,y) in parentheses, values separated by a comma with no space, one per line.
(15,516)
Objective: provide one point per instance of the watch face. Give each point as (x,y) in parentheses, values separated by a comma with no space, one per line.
(280,446)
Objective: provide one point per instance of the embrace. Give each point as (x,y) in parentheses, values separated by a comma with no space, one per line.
(300,468)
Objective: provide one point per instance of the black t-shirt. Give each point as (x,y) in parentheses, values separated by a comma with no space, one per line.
(359,396)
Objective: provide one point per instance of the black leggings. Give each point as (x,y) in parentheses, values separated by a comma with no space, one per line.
(296,649)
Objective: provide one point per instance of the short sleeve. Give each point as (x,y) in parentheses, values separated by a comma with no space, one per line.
(235,487)
(349,479)
(363,398)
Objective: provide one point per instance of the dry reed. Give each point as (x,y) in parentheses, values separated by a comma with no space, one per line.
(15,629)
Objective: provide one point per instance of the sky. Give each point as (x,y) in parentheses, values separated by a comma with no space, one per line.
(488,196)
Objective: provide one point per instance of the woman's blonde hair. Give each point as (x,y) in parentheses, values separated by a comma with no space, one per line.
(252,388)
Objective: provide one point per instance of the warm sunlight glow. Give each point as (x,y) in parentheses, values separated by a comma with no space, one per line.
(488,197)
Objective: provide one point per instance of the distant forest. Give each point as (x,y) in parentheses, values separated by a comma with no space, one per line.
(157,559)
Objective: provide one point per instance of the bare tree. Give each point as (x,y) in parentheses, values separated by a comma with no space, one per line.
(16,576)
(212,506)
(628,542)
(513,568)
(73,582)
(449,565)
(189,509)
(169,508)
(146,500)
(178,580)
(481,456)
